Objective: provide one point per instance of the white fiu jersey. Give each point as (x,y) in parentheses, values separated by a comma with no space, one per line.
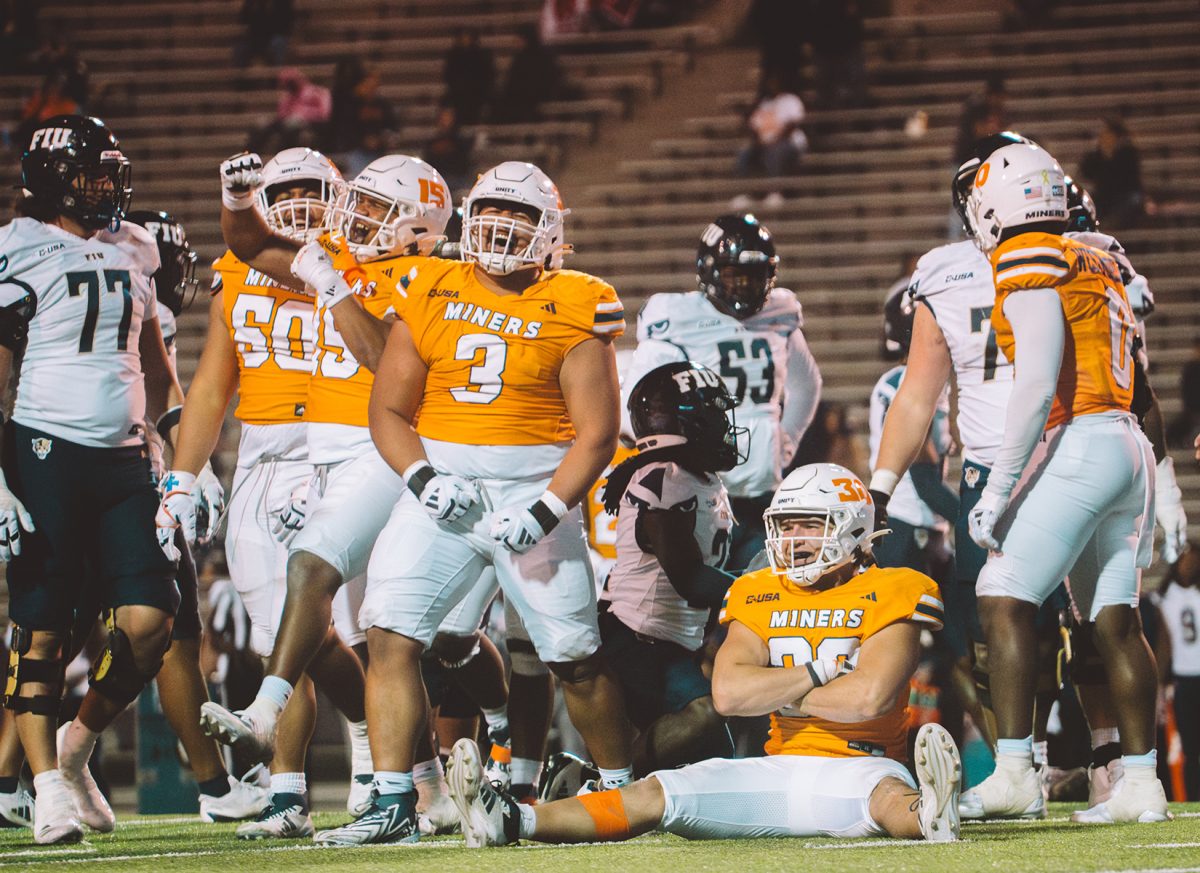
(955,282)
(640,592)
(81,374)
(1180,608)
(905,505)
(764,361)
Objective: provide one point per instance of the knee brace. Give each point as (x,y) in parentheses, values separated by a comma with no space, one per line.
(115,673)
(453,651)
(525,661)
(22,669)
(578,671)
(1086,665)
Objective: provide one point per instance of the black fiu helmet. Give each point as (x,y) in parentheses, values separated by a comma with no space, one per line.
(898,314)
(175,281)
(1081,211)
(742,244)
(964,176)
(683,403)
(74,166)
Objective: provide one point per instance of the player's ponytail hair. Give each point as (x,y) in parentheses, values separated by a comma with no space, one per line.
(618,480)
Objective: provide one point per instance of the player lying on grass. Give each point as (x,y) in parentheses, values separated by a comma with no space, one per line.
(824,642)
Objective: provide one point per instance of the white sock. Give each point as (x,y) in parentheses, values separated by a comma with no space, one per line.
(1141,766)
(393,782)
(615,778)
(1015,754)
(77,746)
(273,695)
(44,780)
(497,719)
(430,780)
(1041,753)
(360,748)
(528,821)
(525,771)
(289,783)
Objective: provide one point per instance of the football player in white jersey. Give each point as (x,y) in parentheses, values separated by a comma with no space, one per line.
(1178,602)
(740,325)
(673,534)
(79,323)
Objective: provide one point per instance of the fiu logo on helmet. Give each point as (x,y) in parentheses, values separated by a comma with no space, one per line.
(42,447)
(50,138)
(165,231)
(690,380)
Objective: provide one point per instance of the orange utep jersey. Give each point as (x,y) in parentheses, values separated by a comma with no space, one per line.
(273,332)
(801,625)
(1097,367)
(494,359)
(340,389)
(599,524)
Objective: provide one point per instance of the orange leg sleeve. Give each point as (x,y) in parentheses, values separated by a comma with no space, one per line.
(607,810)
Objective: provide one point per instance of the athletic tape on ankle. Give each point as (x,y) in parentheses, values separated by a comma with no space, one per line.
(607,810)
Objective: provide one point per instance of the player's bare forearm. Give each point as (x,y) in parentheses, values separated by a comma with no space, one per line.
(365,335)
(744,684)
(209,394)
(588,379)
(157,371)
(395,397)
(254,243)
(906,426)
(886,663)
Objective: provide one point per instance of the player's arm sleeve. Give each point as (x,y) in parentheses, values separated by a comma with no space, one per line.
(1039,333)
(802,393)
(932,489)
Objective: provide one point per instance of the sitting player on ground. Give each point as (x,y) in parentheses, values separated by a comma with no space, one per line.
(824,642)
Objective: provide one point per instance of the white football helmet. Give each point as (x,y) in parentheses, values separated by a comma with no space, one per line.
(1017,184)
(503,245)
(299,218)
(825,491)
(392,194)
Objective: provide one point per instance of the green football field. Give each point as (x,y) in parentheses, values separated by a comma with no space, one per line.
(1054,845)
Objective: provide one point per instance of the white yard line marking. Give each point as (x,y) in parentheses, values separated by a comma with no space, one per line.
(876,844)
(150,822)
(48,853)
(1165,845)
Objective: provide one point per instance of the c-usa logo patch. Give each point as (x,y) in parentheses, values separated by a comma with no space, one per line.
(42,447)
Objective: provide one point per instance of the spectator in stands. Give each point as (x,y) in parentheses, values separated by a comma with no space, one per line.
(564,16)
(534,76)
(347,76)
(303,110)
(55,55)
(777,143)
(778,27)
(835,31)
(449,149)
(1188,421)
(468,70)
(268,27)
(369,127)
(982,115)
(50,98)
(1113,173)
(18,29)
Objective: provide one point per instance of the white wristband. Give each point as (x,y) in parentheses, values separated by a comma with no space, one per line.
(235,202)
(554,504)
(883,481)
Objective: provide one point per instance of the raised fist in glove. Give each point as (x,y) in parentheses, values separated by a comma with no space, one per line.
(176,510)
(209,497)
(982,520)
(314,267)
(13,519)
(519,529)
(444,497)
(240,176)
(290,521)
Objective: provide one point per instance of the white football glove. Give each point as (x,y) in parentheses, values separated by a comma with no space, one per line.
(13,518)
(1168,511)
(519,529)
(314,267)
(983,518)
(176,510)
(240,176)
(289,522)
(444,497)
(209,497)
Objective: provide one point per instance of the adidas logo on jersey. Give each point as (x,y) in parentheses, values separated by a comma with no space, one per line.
(549,307)
(870,597)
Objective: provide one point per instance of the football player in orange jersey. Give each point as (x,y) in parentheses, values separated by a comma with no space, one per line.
(497,400)
(824,642)
(261,344)
(1071,492)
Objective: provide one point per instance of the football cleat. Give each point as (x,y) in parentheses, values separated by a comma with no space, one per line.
(939,776)
(439,817)
(563,776)
(1005,794)
(358,800)
(246,799)
(1139,799)
(1102,780)
(489,817)
(254,743)
(54,817)
(90,804)
(286,818)
(16,808)
(392,818)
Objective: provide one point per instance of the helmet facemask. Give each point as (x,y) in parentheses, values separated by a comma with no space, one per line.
(819,555)
(99,199)
(503,244)
(740,288)
(179,276)
(300,218)
(375,225)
